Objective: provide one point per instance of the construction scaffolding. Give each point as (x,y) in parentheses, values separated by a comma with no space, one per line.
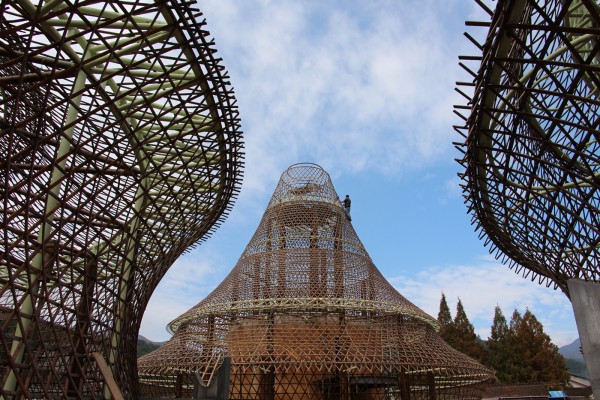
(119,149)
(305,314)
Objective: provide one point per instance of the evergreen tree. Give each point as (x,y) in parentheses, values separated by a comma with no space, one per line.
(499,326)
(542,362)
(501,355)
(462,323)
(515,320)
(522,352)
(444,316)
(465,340)
(447,331)
(516,370)
(445,319)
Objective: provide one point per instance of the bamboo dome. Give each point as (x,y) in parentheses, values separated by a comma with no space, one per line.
(306,314)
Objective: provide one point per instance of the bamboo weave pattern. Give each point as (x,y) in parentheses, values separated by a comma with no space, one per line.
(119,149)
(305,314)
(531,148)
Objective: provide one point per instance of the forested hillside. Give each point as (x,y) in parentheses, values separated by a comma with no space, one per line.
(145,346)
(518,350)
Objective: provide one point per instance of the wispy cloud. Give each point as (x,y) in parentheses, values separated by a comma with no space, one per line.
(188,281)
(331,82)
(368,86)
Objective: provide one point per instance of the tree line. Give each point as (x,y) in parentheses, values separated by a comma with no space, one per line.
(519,351)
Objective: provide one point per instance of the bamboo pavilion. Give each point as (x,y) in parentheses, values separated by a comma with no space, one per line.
(305,314)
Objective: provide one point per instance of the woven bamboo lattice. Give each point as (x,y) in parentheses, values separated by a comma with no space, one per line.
(119,149)
(532,152)
(305,314)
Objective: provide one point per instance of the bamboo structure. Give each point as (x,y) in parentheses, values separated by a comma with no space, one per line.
(305,314)
(119,149)
(531,150)
(532,153)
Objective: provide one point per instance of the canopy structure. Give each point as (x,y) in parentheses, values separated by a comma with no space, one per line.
(306,314)
(120,147)
(532,152)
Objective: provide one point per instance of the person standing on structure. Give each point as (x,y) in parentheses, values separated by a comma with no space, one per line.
(346,203)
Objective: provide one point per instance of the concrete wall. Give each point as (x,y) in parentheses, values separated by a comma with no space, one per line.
(585,297)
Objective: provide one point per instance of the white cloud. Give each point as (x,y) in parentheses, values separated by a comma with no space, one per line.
(331,82)
(367,87)
(482,287)
(187,282)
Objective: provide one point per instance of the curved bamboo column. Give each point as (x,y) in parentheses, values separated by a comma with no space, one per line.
(120,148)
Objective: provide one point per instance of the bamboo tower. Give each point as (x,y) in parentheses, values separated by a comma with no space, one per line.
(305,314)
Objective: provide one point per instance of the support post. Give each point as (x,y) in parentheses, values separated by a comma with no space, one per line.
(585,297)
(82,327)
(219,386)
(109,379)
(431,385)
(27,307)
(338,260)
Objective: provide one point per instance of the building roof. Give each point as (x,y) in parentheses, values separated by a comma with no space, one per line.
(516,390)
(306,301)
(533,391)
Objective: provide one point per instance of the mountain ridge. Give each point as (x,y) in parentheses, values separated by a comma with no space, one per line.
(145,346)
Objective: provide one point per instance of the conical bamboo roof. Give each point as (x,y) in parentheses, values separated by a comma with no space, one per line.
(306,300)
(305,254)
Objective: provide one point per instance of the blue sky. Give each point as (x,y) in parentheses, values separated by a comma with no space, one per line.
(364,89)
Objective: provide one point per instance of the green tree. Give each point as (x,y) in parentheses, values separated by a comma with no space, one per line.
(501,355)
(465,340)
(516,363)
(447,331)
(144,347)
(515,320)
(444,316)
(522,352)
(499,329)
(541,360)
